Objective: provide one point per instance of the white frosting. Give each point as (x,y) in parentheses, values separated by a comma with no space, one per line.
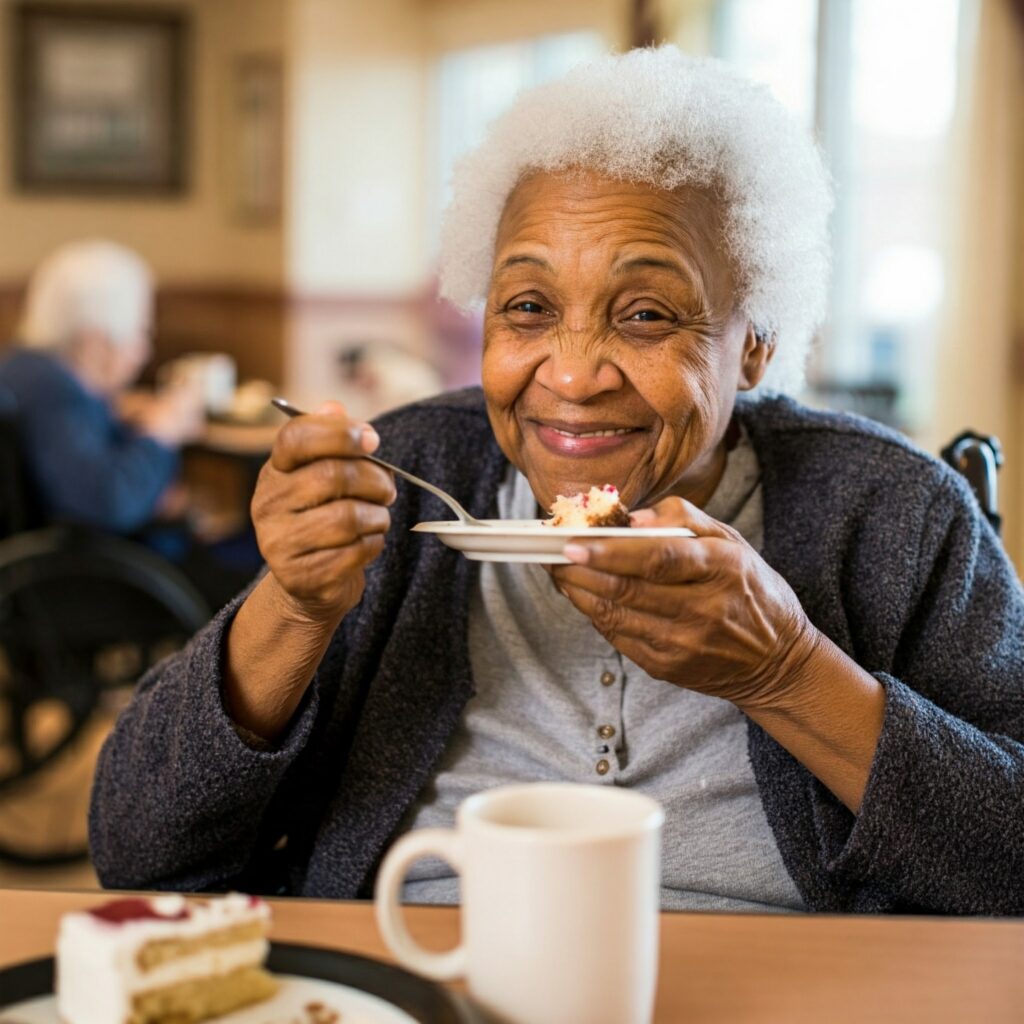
(97,967)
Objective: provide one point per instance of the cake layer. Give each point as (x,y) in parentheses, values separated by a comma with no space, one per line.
(130,977)
(160,951)
(202,998)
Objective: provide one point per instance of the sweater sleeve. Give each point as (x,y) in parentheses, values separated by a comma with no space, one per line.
(941,825)
(180,800)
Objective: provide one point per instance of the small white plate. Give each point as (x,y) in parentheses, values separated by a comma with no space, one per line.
(527,540)
(351,1005)
(359,989)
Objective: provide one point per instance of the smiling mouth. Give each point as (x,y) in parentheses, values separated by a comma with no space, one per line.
(595,433)
(573,440)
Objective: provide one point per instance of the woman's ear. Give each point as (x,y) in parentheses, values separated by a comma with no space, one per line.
(758,349)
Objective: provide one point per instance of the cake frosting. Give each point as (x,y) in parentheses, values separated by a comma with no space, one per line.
(600,506)
(148,960)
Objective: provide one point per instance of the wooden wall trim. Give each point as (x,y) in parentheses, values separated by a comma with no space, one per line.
(252,323)
(11,293)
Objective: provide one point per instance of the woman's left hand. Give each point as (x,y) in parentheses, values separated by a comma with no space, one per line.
(706,613)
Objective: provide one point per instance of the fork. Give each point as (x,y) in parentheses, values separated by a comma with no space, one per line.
(464,517)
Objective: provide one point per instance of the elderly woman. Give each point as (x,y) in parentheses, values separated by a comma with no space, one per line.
(83,339)
(823,688)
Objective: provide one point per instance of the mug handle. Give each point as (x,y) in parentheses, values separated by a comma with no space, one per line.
(441,842)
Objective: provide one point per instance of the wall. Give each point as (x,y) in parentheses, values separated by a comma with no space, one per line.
(350,264)
(978,358)
(361,153)
(189,238)
(454,24)
(357,145)
(354,252)
(208,264)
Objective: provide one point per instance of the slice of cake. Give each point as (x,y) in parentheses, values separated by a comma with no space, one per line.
(600,506)
(164,959)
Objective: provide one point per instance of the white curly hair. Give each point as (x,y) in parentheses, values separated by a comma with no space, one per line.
(92,284)
(660,117)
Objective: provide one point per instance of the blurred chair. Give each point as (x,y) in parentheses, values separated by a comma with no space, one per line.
(978,457)
(82,615)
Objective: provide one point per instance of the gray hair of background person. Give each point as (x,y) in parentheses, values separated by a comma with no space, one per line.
(91,285)
(661,118)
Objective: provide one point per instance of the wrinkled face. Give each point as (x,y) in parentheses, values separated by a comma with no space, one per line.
(612,348)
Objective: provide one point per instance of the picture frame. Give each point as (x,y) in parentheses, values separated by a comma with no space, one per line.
(99,98)
(255,162)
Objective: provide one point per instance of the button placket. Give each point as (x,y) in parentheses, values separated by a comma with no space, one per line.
(607,722)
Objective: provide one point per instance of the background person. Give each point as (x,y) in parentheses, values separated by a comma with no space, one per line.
(83,340)
(97,453)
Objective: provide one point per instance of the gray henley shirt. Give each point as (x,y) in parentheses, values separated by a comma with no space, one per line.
(555,701)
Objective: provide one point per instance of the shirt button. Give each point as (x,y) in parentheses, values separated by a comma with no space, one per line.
(606,732)
(607,678)
(602,767)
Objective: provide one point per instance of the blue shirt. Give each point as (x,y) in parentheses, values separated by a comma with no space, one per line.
(86,466)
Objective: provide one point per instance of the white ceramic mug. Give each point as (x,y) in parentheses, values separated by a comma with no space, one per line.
(213,374)
(560,895)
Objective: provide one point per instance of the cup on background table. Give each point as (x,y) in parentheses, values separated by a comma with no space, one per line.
(213,374)
(560,896)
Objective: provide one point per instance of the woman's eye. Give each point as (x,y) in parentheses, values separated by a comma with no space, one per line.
(527,307)
(647,316)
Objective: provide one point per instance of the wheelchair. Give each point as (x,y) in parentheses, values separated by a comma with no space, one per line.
(83,615)
(978,458)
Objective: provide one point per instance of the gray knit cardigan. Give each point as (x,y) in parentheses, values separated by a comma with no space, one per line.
(883,545)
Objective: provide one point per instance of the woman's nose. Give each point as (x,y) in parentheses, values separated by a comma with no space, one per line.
(576,375)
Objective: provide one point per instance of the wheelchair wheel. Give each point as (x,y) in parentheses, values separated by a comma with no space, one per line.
(82,617)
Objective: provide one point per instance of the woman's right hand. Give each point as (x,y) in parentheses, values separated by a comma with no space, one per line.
(320,512)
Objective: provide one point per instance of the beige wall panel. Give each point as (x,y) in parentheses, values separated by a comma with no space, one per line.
(188,238)
(357,147)
(454,24)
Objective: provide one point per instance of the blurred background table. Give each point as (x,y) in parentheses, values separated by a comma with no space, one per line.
(220,470)
(240,439)
(714,967)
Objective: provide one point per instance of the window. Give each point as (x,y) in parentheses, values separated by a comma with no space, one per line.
(774,43)
(878,79)
(902,67)
(472,87)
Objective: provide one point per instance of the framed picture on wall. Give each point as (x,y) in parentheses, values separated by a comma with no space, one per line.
(256,137)
(99,97)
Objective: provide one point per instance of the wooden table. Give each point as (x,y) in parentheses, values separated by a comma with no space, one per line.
(714,967)
(240,439)
(220,470)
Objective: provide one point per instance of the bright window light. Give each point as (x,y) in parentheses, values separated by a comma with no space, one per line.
(903,51)
(903,284)
(878,81)
(474,86)
(773,43)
